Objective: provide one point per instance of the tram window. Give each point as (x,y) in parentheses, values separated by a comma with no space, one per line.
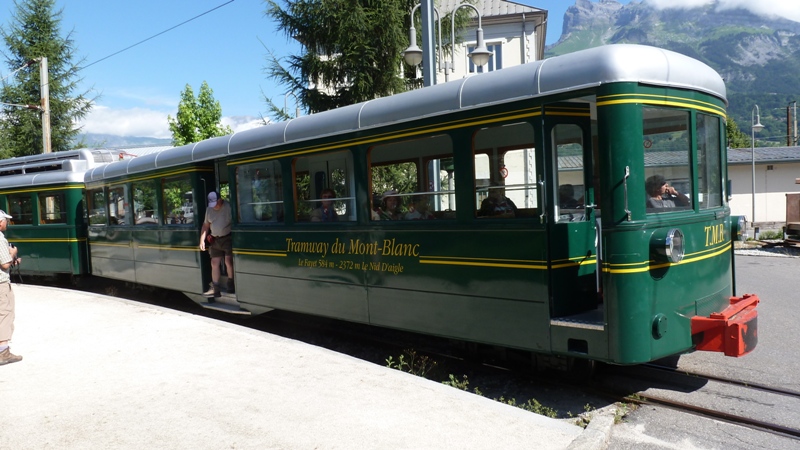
(505,172)
(391,186)
(568,142)
(709,166)
(413,180)
(144,203)
(260,192)
(178,200)
(96,207)
(118,205)
(667,150)
(328,176)
(20,208)
(51,209)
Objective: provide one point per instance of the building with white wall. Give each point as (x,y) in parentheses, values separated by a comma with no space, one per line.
(514,33)
(776,169)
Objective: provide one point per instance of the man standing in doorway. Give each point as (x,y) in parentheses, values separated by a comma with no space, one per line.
(217,229)
(8,257)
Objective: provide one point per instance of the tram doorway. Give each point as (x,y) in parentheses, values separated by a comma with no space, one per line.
(573,236)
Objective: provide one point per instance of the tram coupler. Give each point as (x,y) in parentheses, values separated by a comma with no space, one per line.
(734,331)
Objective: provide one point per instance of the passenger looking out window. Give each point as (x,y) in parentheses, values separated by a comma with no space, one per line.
(391,206)
(325,212)
(660,195)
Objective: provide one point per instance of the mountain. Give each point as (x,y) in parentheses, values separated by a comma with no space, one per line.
(113,141)
(759,57)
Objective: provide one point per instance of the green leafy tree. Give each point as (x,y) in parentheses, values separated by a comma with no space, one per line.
(352,50)
(34,32)
(401,178)
(197,118)
(736,138)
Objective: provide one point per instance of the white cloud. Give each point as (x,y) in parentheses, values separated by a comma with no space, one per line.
(139,122)
(241,123)
(788,9)
(143,122)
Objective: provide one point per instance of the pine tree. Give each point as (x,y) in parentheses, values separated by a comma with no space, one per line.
(197,118)
(352,50)
(35,32)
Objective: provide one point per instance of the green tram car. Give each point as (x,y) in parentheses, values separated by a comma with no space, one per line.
(44,196)
(509,208)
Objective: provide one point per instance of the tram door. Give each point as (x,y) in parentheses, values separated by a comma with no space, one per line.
(572,229)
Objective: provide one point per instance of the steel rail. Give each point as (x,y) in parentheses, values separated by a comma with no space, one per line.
(730,418)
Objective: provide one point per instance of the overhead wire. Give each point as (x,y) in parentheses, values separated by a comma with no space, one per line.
(156,35)
(20,68)
(120,51)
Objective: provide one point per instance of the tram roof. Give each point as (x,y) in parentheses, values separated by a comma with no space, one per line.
(571,72)
(50,168)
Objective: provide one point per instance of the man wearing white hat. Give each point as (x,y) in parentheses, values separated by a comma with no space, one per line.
(8,257)
(217,224)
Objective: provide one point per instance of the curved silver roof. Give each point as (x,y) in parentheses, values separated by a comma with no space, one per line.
(570,72)
(51,168)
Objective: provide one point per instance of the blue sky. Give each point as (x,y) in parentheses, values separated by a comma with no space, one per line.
(140,86)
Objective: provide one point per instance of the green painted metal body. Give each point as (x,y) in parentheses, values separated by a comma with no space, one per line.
(586,281)
(51,248)
(158,254)
(509,283)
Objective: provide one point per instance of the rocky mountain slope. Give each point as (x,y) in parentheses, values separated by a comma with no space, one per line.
(759,57)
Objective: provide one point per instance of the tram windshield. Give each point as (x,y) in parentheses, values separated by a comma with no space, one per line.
(667,159)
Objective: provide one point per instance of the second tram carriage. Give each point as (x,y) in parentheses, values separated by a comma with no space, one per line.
(567,259)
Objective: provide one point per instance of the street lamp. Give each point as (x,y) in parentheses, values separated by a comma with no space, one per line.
(413,54)
(479,56)
(296,104)
(755,122)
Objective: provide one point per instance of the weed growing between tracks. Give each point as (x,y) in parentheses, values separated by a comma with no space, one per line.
(423,366)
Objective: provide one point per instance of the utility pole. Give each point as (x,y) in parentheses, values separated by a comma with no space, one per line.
(794,115)
(789,140)
(428,55)
(44,82)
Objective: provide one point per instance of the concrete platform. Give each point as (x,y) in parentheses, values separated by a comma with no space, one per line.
(100,372)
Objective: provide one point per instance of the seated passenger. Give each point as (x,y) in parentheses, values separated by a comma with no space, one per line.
(661,195)
(325,212)
(419,209)
(566,197)
(391,206)
(497,204)
(375,214)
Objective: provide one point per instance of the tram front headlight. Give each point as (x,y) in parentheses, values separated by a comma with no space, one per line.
(668,244)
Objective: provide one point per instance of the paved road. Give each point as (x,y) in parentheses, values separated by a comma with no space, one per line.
(774,362)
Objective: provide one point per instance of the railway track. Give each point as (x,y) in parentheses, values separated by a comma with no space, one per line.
(759,407)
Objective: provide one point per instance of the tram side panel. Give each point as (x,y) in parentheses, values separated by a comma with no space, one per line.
(168,258)
(48,231)
(112,252)
(301,271)
(485,285)
(457,283)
